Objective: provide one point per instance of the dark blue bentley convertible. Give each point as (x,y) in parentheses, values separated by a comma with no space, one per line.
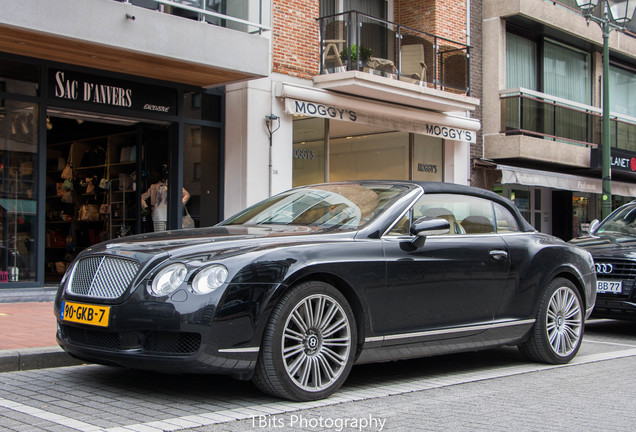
(296,289)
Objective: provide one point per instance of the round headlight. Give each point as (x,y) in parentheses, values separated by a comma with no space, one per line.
(209,279)
(169,279)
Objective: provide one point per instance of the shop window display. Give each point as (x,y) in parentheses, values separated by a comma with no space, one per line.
(91,195)
(18,192)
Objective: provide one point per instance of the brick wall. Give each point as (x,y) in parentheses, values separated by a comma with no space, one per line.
(476,76)
(445,18)
(296,48)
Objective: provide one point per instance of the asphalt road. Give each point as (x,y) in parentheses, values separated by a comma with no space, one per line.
(491,390)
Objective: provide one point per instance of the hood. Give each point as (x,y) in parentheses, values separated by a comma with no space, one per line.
(608,245)
(180,242)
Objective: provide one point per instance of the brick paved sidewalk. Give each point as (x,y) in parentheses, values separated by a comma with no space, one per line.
(27,325)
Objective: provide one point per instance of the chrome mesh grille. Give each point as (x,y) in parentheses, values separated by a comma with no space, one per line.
(102,276)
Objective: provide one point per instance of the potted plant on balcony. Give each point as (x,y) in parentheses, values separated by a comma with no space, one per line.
(365,54)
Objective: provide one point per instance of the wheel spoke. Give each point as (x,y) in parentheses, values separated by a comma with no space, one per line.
(318,312)
(296,364)
(337,326)
(298,320)
(307,313)
(326,367)
(315,369)
(331,354)
(293,335)
(306,373)
(336,342)
(292,350)
(328,317)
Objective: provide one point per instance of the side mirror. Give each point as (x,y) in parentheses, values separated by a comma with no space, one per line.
(594,225)
(426,226)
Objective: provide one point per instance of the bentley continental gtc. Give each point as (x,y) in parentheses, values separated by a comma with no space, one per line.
(294,290)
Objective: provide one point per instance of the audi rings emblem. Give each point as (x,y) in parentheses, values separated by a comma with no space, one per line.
(604,268)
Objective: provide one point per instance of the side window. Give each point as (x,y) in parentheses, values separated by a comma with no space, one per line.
(505,220)
(402,227)
(466,214)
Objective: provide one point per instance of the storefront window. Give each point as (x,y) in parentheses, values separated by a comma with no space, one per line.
(309,151)
(427,158)
(201,152)
(368,154)
(580,221)
(18,190)
(521,198)
(370,157)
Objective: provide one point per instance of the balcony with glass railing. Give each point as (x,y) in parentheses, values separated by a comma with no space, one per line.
(354,41)
(530,113)
(242,15)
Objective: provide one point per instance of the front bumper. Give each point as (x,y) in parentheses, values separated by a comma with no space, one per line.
(191,335)
(608,306)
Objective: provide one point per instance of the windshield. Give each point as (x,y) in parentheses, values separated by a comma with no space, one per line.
(621,222)
(342,206)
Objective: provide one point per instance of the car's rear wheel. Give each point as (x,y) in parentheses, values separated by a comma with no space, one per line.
(309,344)
(558,330)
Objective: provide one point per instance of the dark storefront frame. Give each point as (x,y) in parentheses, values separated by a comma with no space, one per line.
(180,120)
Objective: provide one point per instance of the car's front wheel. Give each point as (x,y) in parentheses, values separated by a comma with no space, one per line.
(558,330)
(309,344)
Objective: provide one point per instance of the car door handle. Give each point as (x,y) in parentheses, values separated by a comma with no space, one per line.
(498,254)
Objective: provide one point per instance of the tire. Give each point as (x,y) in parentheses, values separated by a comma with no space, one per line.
(558,330)
(308,345)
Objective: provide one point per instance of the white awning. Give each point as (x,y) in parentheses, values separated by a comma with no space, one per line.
(528,177)
(326,104)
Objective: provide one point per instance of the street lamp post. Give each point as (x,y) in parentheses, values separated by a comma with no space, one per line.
(621,12)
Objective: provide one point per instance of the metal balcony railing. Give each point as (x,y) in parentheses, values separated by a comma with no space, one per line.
(242,15)
(356,41)
(527,112)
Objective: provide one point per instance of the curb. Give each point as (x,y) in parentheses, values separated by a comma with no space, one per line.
(35,358)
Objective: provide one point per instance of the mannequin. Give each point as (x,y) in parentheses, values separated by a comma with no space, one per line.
(158,194)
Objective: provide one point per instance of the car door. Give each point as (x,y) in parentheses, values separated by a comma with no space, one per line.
(453,280)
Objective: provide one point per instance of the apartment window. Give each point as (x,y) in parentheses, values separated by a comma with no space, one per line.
(622,91)
(521,62)
(566,73)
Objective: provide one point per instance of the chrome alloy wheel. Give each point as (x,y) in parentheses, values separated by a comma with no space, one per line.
(564,321)
(315,343)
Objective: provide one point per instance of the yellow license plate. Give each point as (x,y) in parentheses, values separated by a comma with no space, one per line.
(85,314)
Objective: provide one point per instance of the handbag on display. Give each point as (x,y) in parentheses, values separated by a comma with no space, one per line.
(67,185)
(67,172)
(90,187)
(89,213)
(104,183)
(104,209)
(187,221)
(67,197)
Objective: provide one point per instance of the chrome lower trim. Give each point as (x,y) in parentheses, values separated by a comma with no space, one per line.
(481,327)
(240,350)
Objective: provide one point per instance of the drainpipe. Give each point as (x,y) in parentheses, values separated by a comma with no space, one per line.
(269,124)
